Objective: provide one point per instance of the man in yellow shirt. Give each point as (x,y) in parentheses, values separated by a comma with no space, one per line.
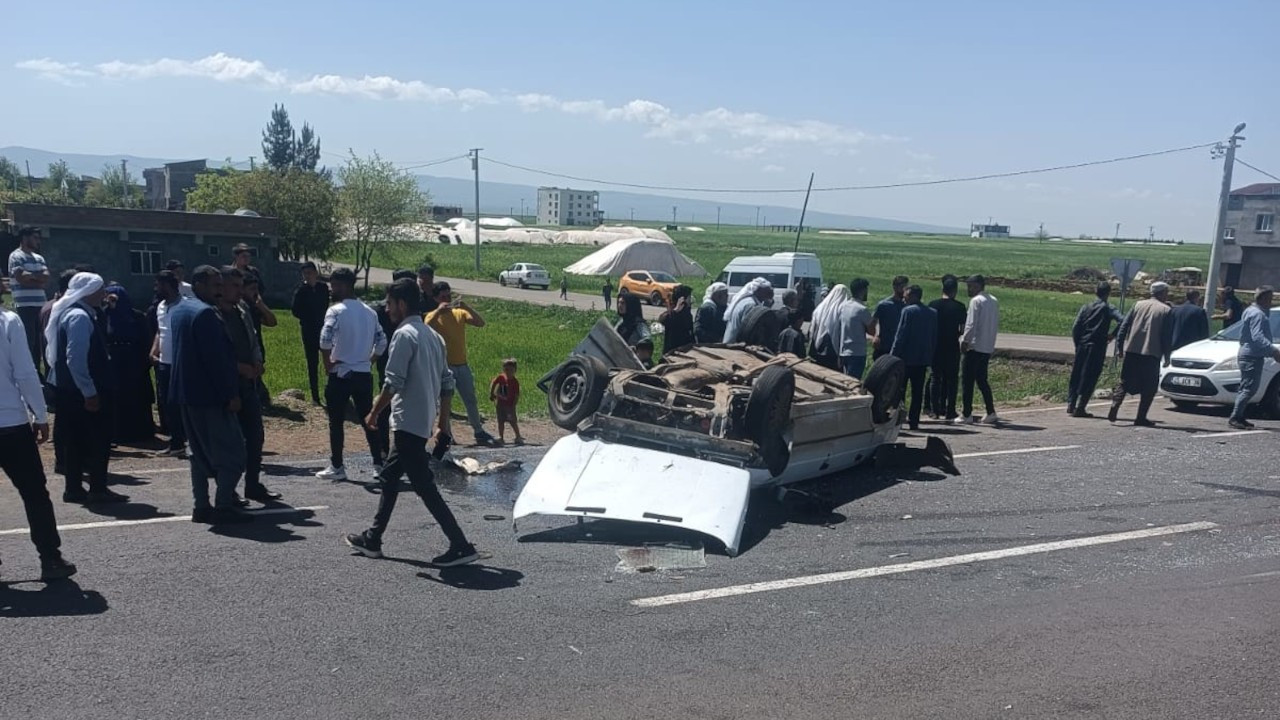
(450,319)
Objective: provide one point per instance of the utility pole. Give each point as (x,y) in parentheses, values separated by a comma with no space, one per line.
(475,167)
(29,183)
(803,209)
(717,217)
(1117,237)
(124,183)
(1228,153)
(673,214)
(757,216)
(1040,233)
(633,214)
(1151,233)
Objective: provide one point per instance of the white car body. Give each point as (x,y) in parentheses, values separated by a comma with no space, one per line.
(525,275)
(1207,372)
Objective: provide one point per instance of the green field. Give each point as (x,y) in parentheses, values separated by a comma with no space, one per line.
(877,257)
(541,337)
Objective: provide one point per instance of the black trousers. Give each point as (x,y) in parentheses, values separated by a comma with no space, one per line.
(1139,375)
(311,351)
(915,380)
(974,371)
(20,460)
(170,416)
(944,384)
(409,457)
(86,440)
(30,317)
(356,388)
(250,418)
(1085,371)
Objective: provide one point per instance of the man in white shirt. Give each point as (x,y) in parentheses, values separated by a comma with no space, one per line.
(350,339)
(24,423)
(30,276)
(978,343)
(169,291)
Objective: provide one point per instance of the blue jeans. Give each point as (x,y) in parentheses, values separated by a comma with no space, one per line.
(1250,379)
(853,366)
(465,383)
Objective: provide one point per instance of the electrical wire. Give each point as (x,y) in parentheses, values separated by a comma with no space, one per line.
(846,188)
(1258,170)
(435,162)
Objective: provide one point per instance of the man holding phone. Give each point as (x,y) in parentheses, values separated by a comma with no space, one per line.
(451,318)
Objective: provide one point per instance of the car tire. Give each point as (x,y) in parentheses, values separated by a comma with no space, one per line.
(887,384)
(520,283)
(502,280)
(655,299)
(1185,405)
(760,326)
(768,413)
(576,391)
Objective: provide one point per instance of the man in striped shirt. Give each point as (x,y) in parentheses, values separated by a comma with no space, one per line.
(29,275)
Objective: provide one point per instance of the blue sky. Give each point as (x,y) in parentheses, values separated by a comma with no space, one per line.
(708,94)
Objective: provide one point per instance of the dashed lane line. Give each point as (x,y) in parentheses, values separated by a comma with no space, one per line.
(1021,451)
(1233,433)
(805,581)
(156,520)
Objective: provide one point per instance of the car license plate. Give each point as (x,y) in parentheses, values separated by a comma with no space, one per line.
(1185,381)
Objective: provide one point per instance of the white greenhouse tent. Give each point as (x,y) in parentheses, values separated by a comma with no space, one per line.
(636,253)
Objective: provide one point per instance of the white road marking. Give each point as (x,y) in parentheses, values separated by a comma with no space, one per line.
(1059,408)
(1233,433)
(153,521)
(142,473)
(1017,452)
(933,564)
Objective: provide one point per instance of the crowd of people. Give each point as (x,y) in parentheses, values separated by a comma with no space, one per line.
(196,353)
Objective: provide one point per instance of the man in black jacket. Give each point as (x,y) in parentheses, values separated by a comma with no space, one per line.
(310,301)
(1091,333)
(1190,323)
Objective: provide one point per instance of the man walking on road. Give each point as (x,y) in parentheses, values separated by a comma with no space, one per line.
(418,387)
(350,339)
(564,288)
(944,376)
(24,423)
(886,315)
(1256,345)
(170,293)
(978,343)
(1091,333)
(310,302)
(30,276)
(607,291)
(1189,321)
(451,319)
(914,343)
(1144,338)
(204,385)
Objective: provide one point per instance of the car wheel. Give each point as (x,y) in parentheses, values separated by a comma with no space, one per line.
(1185,405)
(1271,401)
(655,299)
(760,326)
(576,391)
(520,283)
(502,280)
(887,383)
(769,413)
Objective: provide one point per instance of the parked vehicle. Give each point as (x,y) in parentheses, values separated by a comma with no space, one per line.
(685,443)
(782,270)
(654,287)
(524,275)
(1207,372)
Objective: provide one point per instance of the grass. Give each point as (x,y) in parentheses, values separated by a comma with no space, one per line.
(541,337)
(877,257)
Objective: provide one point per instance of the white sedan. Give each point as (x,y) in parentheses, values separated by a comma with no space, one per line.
(1207,372)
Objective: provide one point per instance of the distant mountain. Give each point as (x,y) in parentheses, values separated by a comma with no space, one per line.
(506,198)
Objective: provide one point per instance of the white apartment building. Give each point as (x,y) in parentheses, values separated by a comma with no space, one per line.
(566,206)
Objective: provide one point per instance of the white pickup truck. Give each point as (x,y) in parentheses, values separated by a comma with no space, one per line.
(524,275)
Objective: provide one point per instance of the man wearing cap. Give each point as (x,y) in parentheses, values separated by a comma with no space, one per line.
(1145,337)
(310,302)
(1256,345)
(184,288)
(80,373)
(978,343)
(29,276)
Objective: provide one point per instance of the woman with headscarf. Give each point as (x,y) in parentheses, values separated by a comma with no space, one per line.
(677,322)
(825,328)
(708,326)
(756,292)
(631,326)
(128,344)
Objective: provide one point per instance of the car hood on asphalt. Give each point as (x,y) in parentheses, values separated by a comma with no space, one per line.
(1214,351)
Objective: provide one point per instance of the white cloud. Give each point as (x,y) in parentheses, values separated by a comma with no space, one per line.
(760,132)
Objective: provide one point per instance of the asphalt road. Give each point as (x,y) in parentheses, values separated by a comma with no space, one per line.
(279,620)
(1047,345)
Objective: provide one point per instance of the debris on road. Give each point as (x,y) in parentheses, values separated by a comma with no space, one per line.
(472,466)
(653,558)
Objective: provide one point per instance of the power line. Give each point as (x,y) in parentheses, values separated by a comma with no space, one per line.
(436,162)
(1258,170)
(843,188)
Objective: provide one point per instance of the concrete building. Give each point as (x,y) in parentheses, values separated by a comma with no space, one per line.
(130,246)
(988,230)
(566,206)
(167,186)
(1251,248)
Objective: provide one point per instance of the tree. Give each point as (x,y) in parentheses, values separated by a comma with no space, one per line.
(116,188)
(9,174)
(64,183)
(306,152)
(375,203)
(304,203)
(278,140)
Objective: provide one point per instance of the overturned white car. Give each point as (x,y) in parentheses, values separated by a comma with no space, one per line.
(684,444)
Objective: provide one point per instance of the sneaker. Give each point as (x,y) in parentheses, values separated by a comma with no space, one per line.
(1113,413)
(261,494)
(332,473)
(1143,422)
(969,420)
(229,516)
(484,438)
(377,467)
(990,419)
(202,515)
(952,421)
(240,502)
(104,497)
(1241,424)
(362,544)
(55,569)
(75,495)
(1082,413)
(455,556)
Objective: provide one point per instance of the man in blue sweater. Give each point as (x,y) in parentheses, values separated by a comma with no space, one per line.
(204,385)
(915,340)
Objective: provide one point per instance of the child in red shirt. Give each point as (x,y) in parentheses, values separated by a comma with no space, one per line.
(504,392)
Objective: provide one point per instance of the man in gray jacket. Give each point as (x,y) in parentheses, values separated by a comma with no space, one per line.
(1144,339)
(418,386)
